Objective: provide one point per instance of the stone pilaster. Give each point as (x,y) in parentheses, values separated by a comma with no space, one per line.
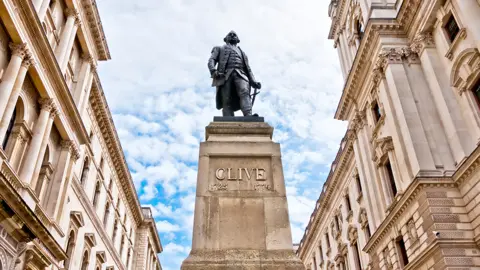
(19,52)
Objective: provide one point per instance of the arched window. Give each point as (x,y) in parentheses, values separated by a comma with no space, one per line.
(84,261)
(9,128)
(83,177)
(69,251)
(96,194)
(107,213)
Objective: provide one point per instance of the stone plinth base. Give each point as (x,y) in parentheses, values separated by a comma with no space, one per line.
(241,213)
(243,259)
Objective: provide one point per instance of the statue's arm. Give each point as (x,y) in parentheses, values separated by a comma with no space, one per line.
(212,61)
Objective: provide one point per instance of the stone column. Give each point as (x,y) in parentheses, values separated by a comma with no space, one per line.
(337,46)
(84,76)
(43,9)
(405,111)
(86,96)
(19,51)
(69,30)
(61,179)
(469,10)
(43,182)
(43,147)
(71,39)
(37,4)
(33,151)
(12,101)
(369,180)
(16,145)
(459,139)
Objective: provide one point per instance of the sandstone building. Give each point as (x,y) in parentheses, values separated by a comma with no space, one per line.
(404,189)
(67,199)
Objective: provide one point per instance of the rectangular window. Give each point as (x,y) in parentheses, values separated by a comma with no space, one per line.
(476,90)
(368,234)
(320,251)
(451,27)
(377,114)
(402,251)
(348,205)
(359,184)
(391,179)
(328,240)
(356,256)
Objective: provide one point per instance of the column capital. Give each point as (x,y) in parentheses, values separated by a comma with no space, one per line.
(28,61)
(421,41)
(54,111)
(46,104)
(88,57)
(72,147)
(72,12)
(19,49)
(396,55)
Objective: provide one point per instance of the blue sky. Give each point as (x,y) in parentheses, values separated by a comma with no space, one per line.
(158,88)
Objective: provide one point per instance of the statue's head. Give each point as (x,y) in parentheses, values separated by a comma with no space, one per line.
(232,38)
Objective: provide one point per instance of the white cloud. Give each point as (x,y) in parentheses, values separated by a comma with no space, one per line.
(165,226)
(158,87)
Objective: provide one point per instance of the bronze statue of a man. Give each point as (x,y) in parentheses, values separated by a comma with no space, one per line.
(232,77)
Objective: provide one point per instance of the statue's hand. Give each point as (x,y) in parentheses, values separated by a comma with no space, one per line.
(214,73)
(257,85)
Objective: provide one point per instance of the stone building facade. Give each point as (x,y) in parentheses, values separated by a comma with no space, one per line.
(404,189)
(67,199)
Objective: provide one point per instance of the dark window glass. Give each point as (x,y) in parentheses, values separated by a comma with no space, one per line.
(328,240)
(452,28)
(376,112)
(314,263)
(347,203)
(476,90)
(359,30)
(9,129)
(356,255)
(359,184)
(391,179)
(402,250)
(367,232)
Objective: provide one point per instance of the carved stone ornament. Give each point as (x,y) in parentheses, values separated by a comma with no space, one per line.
(46,104)
(72,147)
(396,55)
(422,41)
(28,61)
(18,49)
(412,231)
(363,217)
(386,257)
(352,234)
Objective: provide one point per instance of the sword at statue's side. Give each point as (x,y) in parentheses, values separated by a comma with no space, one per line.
(255,93)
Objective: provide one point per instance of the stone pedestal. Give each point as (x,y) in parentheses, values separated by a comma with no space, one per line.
(241,214)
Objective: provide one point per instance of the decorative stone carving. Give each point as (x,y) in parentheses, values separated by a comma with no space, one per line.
(363,217)
(46,104)
(412,231)
(19,49)
(72,147)
(28,61)
(391,55)
(422,41)
(352,234)
(386,257)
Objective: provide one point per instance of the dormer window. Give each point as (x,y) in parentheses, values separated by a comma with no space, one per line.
(451,28)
